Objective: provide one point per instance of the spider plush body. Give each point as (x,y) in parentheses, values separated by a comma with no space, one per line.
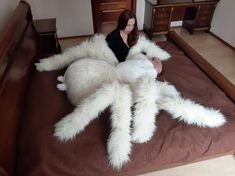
(95,80)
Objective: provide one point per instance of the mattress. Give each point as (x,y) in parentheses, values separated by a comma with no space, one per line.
(174,143)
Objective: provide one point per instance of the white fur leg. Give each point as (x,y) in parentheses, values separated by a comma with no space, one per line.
(167,90)
(60,78)
(119,142)
(146,93)
(84,113)
(96,47)
(149,47)
(61,87)
(61,60)
(159,53)
(192,113)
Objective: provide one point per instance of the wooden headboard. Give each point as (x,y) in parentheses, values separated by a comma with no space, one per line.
(17,52)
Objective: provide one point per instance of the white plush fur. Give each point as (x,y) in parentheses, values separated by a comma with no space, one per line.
(84,76)
(119,142)
(85,112)
(96,47)
(145,95)
(166,90)
(192,113)
(136,69)
(94,81)
(60,78)
(151,49)
(61,87)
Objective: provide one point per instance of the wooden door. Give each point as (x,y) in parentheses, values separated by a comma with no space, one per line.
(106,12)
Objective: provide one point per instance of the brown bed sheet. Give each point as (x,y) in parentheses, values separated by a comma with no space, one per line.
(173,143)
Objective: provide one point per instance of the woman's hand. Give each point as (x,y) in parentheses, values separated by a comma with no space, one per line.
(156,63)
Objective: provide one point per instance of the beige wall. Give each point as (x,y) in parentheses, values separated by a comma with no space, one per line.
(140,6)
(74,17)
(6,9)
(223,24)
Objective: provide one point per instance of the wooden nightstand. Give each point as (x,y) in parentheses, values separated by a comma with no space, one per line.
(47,40)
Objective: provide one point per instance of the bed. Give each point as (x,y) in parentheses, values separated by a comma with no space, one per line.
(30,105)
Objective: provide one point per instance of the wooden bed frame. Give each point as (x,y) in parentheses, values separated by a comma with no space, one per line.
(210,71)
(18,53)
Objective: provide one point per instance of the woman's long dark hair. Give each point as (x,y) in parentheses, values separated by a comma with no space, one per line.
(122,23)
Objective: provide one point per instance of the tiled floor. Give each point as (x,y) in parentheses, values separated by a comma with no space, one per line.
(223,59)
(222,166)
(216,53)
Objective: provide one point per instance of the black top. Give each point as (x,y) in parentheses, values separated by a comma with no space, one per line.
(117,45)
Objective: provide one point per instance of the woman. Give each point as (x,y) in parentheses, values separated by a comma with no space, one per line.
(125,36)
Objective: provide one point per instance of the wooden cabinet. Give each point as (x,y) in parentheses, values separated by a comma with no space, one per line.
(156,19)
(47,40)
(162,18)
(200,18)
(106,13)
(196,15)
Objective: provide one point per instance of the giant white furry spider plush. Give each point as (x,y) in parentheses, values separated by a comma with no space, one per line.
(94,80)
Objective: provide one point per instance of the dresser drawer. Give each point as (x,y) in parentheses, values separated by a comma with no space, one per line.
(207,7)
(161,10)
(110,15)
(203,22)
(164,12)
(205,10)
(113,5)
(204,15)
(162,17)
(161,22)
(161,28)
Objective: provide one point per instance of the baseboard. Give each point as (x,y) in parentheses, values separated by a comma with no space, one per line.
(227,44)
(78,36)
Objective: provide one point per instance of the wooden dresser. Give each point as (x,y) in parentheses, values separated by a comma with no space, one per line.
(195,14)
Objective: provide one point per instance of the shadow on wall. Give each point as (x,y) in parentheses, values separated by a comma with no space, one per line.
(6,9)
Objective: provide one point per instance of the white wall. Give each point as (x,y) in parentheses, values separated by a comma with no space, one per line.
(140,6)
(74,17)
(6,9)
(223,23)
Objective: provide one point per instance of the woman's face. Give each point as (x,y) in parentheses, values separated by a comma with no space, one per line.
(130,25)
